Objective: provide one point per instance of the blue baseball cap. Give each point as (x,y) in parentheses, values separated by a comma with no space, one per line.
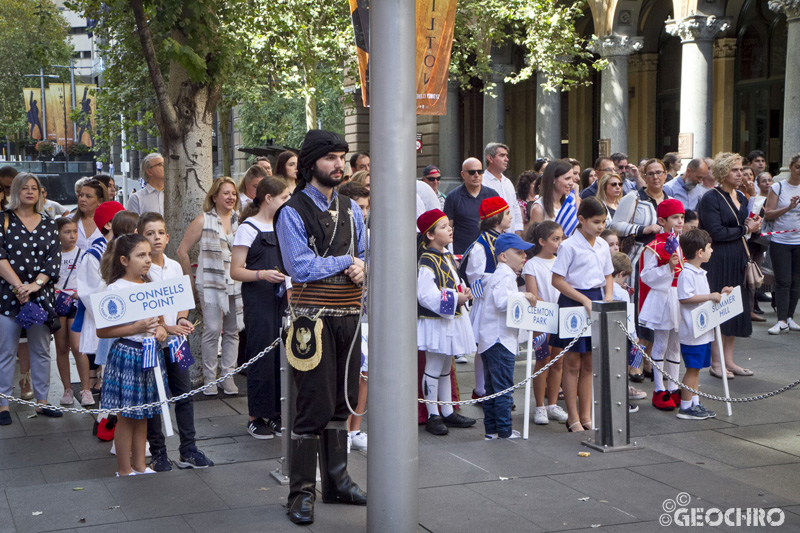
(510,240)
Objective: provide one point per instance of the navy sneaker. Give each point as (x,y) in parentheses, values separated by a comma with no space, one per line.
(160,462)
(274,424)
(692,413)
(709,414)
(194,459)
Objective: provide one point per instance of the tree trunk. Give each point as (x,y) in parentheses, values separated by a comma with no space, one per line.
(311,99)
(224,113)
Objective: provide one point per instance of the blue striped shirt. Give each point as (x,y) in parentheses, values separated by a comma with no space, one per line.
(300,261)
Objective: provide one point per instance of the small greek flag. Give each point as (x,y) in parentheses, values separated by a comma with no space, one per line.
(635,357)
(567,216)
(150,348)
(477,288)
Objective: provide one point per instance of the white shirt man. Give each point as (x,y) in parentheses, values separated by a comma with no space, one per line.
(151,197)
(496,163)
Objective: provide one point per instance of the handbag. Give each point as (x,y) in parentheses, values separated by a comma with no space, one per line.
(64,299)
(753,275)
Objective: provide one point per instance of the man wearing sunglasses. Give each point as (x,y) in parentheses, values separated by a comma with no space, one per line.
(462,205)
(433,177)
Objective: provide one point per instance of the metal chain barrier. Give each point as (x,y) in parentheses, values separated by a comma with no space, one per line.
(518,385)
(81,411)
(697,392)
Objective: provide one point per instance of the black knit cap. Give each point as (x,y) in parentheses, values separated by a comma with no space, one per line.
(317,144)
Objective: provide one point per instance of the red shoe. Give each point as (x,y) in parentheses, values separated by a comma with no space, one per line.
(663,400)
(476,396)
(676,397)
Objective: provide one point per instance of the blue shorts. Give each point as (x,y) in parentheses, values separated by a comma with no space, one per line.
(698,356)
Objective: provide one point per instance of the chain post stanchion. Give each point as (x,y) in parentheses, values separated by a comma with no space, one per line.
(288,395)
(609,379)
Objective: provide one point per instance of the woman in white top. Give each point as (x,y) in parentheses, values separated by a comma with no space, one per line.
(557,182)
(784,250)
(220,295)
(91,195)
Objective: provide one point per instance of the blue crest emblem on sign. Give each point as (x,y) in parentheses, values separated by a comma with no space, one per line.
(702,319)
(573,322)
(516,313)
(112,307)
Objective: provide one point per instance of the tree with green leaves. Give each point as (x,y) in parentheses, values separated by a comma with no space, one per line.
(33,35)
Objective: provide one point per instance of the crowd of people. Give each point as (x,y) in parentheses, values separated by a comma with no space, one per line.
(665,237)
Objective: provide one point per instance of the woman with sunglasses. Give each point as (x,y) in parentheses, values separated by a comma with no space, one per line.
(609,191)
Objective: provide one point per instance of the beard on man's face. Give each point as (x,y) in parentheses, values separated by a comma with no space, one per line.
(327,179)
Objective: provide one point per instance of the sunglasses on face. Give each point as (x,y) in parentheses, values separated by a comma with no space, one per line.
(615,184)
(433,178)
(473,172)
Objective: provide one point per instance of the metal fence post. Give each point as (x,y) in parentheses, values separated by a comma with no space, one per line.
(288,394)
(610,378)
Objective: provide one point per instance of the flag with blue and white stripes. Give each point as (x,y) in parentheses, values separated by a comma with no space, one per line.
(567,216)
(150,348)
(635,357)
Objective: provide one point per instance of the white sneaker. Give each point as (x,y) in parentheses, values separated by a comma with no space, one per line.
(494,436)
(555,412)
(86,398)
(147,470)
(792,325)
(514,435)
(349,442)
(359,441)
(211,391)
(636,394)
(229,387)
(461,360)
(68,398)
(113,448)
(780,327)
(540,416)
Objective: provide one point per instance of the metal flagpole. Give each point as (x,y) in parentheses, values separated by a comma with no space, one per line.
(393,450)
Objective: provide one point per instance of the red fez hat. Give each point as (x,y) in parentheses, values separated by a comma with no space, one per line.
(428,220)
(669,207)
(105,213)
(492,206)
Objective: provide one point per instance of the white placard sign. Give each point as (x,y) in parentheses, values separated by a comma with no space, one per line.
(520,314)
(710,315)
(365,338)
(144,300)
(631,318)
(571,321)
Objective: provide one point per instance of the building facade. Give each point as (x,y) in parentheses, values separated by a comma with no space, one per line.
(690,76)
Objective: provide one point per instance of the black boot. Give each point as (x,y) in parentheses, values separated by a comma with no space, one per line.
(337,486)
(302,479)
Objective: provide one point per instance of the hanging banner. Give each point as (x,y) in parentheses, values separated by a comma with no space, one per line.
(33,108)
(359,12)
(436,20)
(86,104)
(59,107)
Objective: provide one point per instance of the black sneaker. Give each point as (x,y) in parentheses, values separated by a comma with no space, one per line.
(195,459)
(160,462)
(435,425)
(259,429)
(456,420)
(274,425)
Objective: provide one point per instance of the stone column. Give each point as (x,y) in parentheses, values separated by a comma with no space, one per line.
(548,120)
(449,132)
(614,88)
(791,91)
(697,34)
(494,106)
(724,83)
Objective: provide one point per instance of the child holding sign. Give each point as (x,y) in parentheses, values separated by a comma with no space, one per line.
(498,343)
(126,382)
(582,274)
(693,290)
(538,274)
(661,265)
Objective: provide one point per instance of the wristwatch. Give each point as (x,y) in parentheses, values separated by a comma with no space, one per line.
(39,282)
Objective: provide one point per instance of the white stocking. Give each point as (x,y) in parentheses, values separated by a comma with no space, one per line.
(430,380)
(660,341)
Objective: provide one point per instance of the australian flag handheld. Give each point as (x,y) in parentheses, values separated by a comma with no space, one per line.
(179,352)
(672,244)
(448,304)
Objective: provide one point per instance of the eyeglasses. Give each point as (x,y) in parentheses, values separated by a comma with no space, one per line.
(615,184)
(433,178)
(609,169)
(623,167)
(657,173)
(473,172)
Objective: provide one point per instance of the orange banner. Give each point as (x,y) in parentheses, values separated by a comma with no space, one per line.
(436,21)
(59,107)
(359,12)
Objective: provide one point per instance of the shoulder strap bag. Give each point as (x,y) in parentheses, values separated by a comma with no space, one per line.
(752,272)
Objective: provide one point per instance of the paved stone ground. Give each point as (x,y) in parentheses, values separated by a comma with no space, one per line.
(55,476)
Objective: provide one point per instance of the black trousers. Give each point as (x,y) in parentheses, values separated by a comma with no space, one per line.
(320,392)
(179,383)
(786,265)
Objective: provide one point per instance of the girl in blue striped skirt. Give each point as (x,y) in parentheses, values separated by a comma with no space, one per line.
(126,381)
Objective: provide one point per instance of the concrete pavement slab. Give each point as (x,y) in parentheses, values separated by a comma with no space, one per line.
(93,469)
(245,484)
(21,477)
(88,446)
(6,519)
(270,518)
(34,451)
(164,494)
(782,480)
(14,430)
(221,426)
(59,506)
(459,508)
(782,437)
(169,524)
(236,452)
(213,408)
(42,425)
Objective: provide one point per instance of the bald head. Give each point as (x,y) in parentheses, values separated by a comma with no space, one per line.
(470,162)
(695,171)
(472,174)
